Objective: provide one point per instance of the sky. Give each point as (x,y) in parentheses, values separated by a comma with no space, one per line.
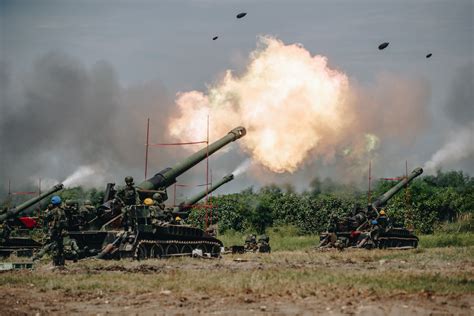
(143,53)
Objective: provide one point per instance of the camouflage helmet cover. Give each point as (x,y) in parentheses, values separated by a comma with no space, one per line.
(87,202)
(157,196)
(128,179)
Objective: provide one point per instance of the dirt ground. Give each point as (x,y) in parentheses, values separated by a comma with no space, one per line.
(427,282)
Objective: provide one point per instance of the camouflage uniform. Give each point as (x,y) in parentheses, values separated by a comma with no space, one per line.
(129,194)
(86,212)
(157,210)
(71,249)
(57,223)
(263,244)
(251,243)
(46,217)
(5,231)
(71,212)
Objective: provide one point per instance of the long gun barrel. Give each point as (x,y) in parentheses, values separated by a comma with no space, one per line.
(190,202)
(13,212)
(168,176)
(382,200)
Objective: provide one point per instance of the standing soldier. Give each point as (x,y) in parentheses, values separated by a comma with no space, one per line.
(57,223)
(129,194)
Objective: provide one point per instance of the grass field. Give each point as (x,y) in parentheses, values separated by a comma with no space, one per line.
(287,238)
(293,279)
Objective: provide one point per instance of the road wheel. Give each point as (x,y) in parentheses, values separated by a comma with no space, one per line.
(215,251)
(187,249)
(171,249)
(142,252)
(157,251)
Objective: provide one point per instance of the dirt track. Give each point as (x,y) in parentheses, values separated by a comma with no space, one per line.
(281,283)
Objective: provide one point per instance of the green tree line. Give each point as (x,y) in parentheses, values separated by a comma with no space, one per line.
(428,202)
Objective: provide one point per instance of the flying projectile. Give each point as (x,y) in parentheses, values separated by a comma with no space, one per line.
(241,15)
(429,55)
(215,37)
(383,45)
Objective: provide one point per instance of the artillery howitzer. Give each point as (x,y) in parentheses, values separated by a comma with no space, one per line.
(147,240)
(183,209)
(21,245)
(366,228)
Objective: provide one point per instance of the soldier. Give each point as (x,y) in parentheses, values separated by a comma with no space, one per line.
(263,244)
(383,220)
(177,221)
(57,223)
(375,230)
(157,210)
(158,198)
(87,212)
(71,249)
(47,216)
(71,212)
(5,231)
(212,230)
(129,194)
(251,243)
(153,210)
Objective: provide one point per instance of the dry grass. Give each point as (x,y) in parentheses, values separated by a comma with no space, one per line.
(441,270)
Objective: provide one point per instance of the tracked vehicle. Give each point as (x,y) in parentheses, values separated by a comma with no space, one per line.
(20,243)
(367,229)
(106,238)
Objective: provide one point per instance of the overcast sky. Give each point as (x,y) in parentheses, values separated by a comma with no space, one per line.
(170,43)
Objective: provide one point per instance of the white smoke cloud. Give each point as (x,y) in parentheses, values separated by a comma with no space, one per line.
(459,146)
(243,167)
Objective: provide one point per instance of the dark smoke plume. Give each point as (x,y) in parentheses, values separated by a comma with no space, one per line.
(62,115)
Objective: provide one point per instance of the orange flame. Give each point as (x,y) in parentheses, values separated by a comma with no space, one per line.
(289,101)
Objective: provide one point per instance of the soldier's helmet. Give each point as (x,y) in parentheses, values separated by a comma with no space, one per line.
(263,238)
(69,202)
(56,200)
(157,197)
(129,180)
(87,202)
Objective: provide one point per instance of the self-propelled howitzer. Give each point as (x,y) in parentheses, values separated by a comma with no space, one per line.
(368,227)
(15,211)
(147,237)
(167,177)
